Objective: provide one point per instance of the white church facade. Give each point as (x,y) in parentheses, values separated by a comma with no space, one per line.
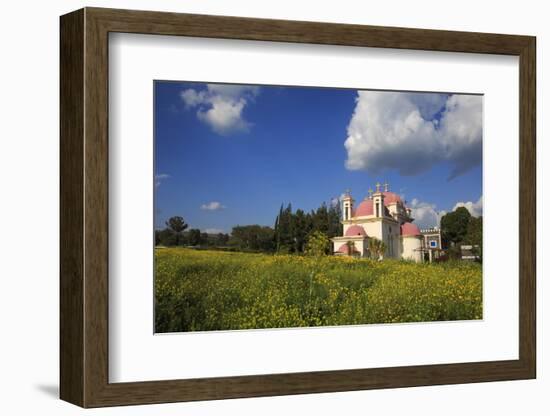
(383,215)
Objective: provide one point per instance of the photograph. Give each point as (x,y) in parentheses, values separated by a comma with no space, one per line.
(300,206)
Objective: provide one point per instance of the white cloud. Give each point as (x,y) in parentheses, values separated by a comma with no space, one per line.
(475,208)
(425,214)
(160,177)
(213,231)
(411,132)
(212,206)
(221,106)
(192,98)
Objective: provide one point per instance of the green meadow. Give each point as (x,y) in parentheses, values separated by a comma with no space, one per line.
(202,290)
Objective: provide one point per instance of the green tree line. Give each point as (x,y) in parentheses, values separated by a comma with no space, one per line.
(292,229)
(290,234)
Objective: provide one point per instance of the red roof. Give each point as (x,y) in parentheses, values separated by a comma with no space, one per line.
(364,208)
(410,229)
(355,230)
(345,249)
(391,198)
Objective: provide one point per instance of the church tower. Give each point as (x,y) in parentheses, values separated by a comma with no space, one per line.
(378,202)
(347,206)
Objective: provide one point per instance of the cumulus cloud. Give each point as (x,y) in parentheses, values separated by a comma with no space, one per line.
(425,214)
(475,208)
(221,106)
(212,206)
(411,132)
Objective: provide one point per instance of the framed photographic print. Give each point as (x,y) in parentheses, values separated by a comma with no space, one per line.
(255,207)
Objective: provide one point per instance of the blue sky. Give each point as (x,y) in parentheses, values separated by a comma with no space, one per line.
(229,155)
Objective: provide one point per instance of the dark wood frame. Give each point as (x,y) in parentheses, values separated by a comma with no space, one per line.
(84,207)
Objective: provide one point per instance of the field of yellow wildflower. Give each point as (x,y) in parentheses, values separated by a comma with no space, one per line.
(214,290)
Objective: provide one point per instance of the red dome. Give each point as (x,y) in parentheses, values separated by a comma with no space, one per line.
(364,208)
(355,230)
(410,229)
(345,249)
(391,198)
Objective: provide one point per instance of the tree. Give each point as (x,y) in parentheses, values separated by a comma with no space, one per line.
(253,237)
(291,230)
(377,248)
(474,236)
(320,219)
(284,236)
(176,224)
(183,239)
(334,216)
(318,244)
(302,227)
(194,237)
(222,239)
(277,233)
(454,225)
(167,237)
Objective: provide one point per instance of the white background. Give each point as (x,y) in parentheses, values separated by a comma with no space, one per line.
(29,209)
(136,355)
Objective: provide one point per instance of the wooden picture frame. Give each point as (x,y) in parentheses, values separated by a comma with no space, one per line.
(84,207)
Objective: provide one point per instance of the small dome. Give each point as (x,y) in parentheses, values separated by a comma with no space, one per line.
(364,208)
(345,249)
(355,230)
(391,198)
(410,229)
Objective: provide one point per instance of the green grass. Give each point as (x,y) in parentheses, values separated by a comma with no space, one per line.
(213,290)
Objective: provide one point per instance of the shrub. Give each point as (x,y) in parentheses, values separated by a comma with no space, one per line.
(317,244)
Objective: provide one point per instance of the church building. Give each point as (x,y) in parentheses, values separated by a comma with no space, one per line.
(383,215)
